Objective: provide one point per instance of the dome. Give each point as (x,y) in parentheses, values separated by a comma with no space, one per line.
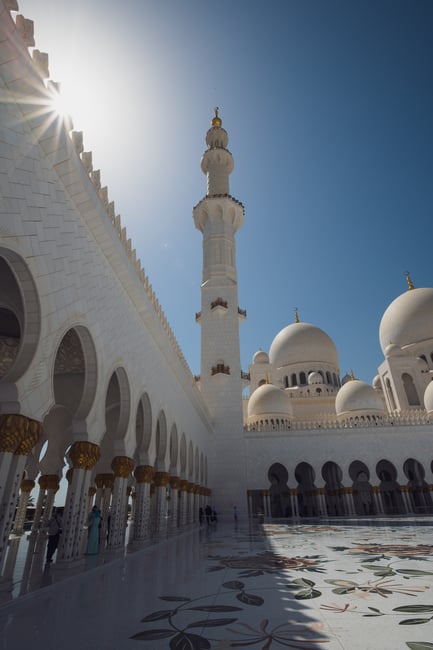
(392,350)
(428,398)
(268,400)
(408,319)
(358,398)
(302,343)
(315,378)
(260,357)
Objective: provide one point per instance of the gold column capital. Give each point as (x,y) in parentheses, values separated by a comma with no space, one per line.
(144,474)
(84,454)
(122,466)
(92,491)
(19,434)
(27,485)
(104,480)
(161,479)
(184,485)
(174,482)
(49,482)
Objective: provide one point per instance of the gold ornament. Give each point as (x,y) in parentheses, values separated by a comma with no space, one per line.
(84,454)
(144,474)
(122,466)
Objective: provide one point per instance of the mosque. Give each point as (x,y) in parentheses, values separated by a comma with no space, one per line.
(94,386)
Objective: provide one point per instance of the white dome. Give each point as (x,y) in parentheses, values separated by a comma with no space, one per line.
(315,378)
(260,357)
(428,398)
(358,398)
(408,319)
(392,350)
(302,343)
(268,400)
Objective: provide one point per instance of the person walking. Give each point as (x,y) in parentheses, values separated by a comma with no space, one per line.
(93,526)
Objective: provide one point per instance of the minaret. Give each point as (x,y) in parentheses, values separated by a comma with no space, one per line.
(218,216)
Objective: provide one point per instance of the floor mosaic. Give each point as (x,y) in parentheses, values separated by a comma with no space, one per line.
(352,585)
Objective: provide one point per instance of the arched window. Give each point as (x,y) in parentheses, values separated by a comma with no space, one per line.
(328,377)
(390,394)
(302,379)
(286,382)
(410,389)
(335,379)
(293,380)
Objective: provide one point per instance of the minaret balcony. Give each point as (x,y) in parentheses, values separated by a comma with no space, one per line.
(245,377)
(197,316)
(220,369)
(242,314)
(219,307)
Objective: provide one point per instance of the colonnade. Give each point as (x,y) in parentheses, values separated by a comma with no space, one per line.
(160,502)
(345,501)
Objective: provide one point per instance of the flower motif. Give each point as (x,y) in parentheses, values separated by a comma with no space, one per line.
(290,635)
(338,609)
(399,550)
(266,562)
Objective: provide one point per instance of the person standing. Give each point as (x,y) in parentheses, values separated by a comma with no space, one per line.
(54,530)
(93,526)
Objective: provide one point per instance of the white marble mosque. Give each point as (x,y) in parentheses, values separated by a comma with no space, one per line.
(121,416)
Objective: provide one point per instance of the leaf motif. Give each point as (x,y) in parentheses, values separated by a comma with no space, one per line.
(215,622)
(414,609)
(250,599)
(414,621)
(307,594)
(419,645)
(216,608)
(233,584)
(303,582)
(414,572)
(152,635)
(175,599)
(157,616)
(185,641)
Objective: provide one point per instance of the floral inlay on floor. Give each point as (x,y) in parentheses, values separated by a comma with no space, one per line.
(353,586)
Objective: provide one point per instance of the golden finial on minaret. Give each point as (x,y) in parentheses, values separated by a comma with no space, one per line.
(296,315)
(267,378)
(409,281)
(352,375)
(216,120)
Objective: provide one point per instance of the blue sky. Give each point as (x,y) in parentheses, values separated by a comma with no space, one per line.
(329,111)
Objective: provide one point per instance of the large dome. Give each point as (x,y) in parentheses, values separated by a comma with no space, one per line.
(270,401)
(408,319)
(302,343)
(358,398)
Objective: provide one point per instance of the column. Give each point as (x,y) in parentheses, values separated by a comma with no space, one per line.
(349,501)
(266,499)
(407,501)
(174,502)
(104,488)
(161,480)
(26,487)
(84,455)
(294,502)
(143,475)
(183,502)
(377,499)
(191,490)
(122,467)
(18,436)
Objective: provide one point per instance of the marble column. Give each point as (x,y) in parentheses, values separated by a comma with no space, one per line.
(191,492)
(183,502)
(83,455)
(174,502)
(26,487)
(143,475)
(161,480)
(267,501)
(377,499)
(104,488)
(18,436)
(122,467)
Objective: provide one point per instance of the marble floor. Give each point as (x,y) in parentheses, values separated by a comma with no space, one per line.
(331,585)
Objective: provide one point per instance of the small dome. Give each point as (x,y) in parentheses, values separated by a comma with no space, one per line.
(428,398)
(302,343)
(392,350)
(408,319)
(268,400)
(315,378)
(358,398)
(346,378)
(260,357)
(377,384)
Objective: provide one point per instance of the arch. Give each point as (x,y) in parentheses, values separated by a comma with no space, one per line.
(418,488)
(174,449)
(161,441)
(390,393)
(183,456)
(361,487)
(20,316)
(302,379)
(307,501)
(117,404)
(332,475)
(196,466)
(389,488)
(410,390)
(201,469)
(280,502)
(190,461)
(293,380)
